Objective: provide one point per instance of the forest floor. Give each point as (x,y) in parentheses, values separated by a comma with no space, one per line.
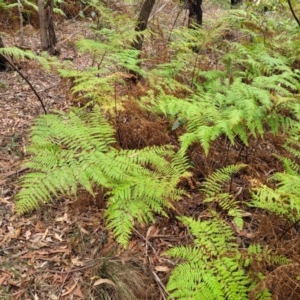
(63,251)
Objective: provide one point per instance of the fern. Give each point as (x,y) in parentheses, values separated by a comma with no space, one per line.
(77,149)
(214,268)
(236,108)
(211,268)
(111,59)
(18,53)
(264,254)
(284,199)
(212,188)
(255,90)
(6,6)
(87,82)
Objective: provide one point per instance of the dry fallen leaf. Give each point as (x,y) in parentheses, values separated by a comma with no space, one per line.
(27,234)
(58,237)
(70,290)
(101,281)
(78,292)
(64,218)
(83,230)
(38,226)
(45,234)
(76,262)
(162,269)
(2,279)
(152,231)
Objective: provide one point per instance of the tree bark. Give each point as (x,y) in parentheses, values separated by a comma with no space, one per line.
(195,12)
(48,37)
(236,2)
(2,58)
(142,22)
(50,24)
(43,31)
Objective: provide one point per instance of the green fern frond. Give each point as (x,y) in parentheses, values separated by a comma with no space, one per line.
(211,268)
(76,149)
(259,253)
(234,109)
(280,201)
(292,145)
(290,166)
(283,200)
(264,295)
(215,182)
(18,53)
(112,59)
(212,188)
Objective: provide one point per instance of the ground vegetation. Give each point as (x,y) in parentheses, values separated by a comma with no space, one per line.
(151,157)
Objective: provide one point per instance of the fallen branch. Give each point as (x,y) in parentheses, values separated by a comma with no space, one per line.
(293,12)
(28,82)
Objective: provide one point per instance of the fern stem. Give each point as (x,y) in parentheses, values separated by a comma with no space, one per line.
(102,58)
(116,113)
(290,227)
(194,70)
(174,23)
(227,151)
(239,155)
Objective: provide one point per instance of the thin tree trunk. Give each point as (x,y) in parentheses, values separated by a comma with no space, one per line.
(142,22)
(236,2)
(195,12)
(48,37)
(43,30)
(50,24)
(2,58)
(20,8)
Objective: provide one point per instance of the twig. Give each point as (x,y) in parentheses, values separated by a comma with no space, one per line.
(293,12)
(90,264)
(66,38)
(62,285)
(31,86)
(48,88)
(146,240)
(8,174)
(18,254)
(158,10)
(174,23)
(290,227)
(11,248)
(160,284)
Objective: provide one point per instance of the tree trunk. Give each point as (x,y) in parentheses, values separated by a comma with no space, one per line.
(236,2)
(43,30)
(195,12)
(48,37)
(142,22)
(50,23)
(2,58)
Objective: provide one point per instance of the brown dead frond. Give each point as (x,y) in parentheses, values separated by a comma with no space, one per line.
(139,129)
